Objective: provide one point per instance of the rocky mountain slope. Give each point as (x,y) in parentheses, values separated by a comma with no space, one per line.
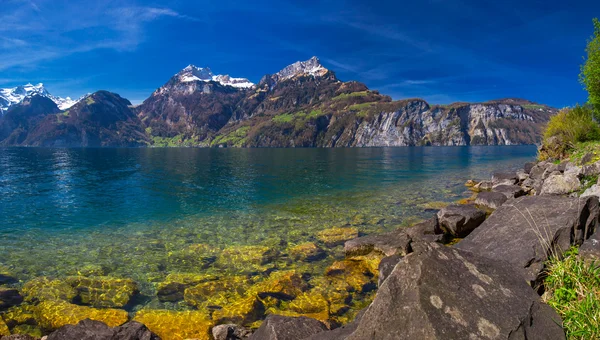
(303,105)
(15,95)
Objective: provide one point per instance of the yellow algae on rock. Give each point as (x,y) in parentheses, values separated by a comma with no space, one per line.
(3,328)
(243,311)
(336,236)
(30,330)
(174,325)
(217,293)
(103,291)
(173,287)
(51,315)
(357,274)
(310,304)
(306,252)
(246,258)
(281,284)
(47,289)
(196,256)
(18,315)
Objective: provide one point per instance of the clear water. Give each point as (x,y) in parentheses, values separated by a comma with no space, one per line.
(127,209)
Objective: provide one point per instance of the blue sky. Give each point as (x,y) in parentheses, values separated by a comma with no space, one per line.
(442,51)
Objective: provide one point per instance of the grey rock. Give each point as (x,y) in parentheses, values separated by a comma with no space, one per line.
(550,168)
(428,230)
(560,185)
(230,332)
(133,331)
(590,249)
(522,175)
(572,169)
(96,330)
(528,166)
(483,185)
(594,190)
(386,266)
(388,244)
(586,158)
(460,220)
(537,172)
(340,333)
(510,191)
(504,178)
(590,170)
(9,297)
(417,301)
(490,199)
(525,231)
(277,327)
(17,337)
(562,167)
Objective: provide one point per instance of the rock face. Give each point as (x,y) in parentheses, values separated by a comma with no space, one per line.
(527,230)
(506,307)
(276,327)
(460,220)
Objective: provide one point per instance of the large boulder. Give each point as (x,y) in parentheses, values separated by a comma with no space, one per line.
(528,166)
(590,249)
(560,185)
(591,170)
(460,219)
(277,327)
(510,191)
(230,332)
(594,190)
(504,178)
(490,199)
(386,266)
(443,293)
(527,230)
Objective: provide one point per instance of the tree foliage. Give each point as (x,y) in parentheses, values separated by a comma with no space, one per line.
(590,70)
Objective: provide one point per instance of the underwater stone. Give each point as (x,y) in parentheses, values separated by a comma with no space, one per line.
(92,270)
(103,291)
(281,285)
(247,258)
(175,284)
(26,332)
(217,293)
(336,236)
(308,252)
(9,297)
(359,273)
(244,311)
(3,328)
(194,257)
(174,325)
(47,289)
(311,304)
(6,277)
(52,315)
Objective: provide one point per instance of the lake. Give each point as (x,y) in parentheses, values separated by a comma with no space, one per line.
(144,213)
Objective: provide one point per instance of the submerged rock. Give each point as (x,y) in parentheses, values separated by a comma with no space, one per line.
(9,297)
(175,325)
(247,258)
(217,293)
(460,220)
(506,307)
(194,257)
(55,314)
(336,236)
(3,328)
(243,311)
(173,287)
(527,230)
(276,327)
(308,252)
(47,289)
(103,291)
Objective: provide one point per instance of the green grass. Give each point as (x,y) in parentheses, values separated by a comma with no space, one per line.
(573,290)
(567,128)
(351,95)
(235,138)
(582,149)
(533,106)
(179,140)
(362,109)
(283,118)
(89,100)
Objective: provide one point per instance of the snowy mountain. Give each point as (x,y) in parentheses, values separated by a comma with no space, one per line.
(15,95)
(311,67)
(194,73)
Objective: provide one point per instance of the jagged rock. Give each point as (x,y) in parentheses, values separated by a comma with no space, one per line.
(339,333)
(504,178)
(522,175)
(95,330)
(428,230)
(483,185)
(9,297)
(460,220)
(528,166)
(490,199)
(591,170)
(230,332)
(506,307)
(572,169)
(594,190)
(538,170)
(386,266)
(276,327)
(590,249)
(525,231)
(510,191)
(388,244)
(560,185)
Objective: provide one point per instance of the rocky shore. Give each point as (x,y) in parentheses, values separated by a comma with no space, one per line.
(475,270)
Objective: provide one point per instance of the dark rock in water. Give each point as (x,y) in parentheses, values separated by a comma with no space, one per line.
(510,191)
(84,330)
(386,266)
(460,219)
(506,307)
(528,166)
(7,279)
(9,297)
(277,327)
(134,331)
(388,244)
(504,178)
(96,330)
(490,199)
(230,332)
(527,230)
(590,249)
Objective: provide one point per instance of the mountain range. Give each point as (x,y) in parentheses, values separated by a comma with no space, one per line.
(303,105)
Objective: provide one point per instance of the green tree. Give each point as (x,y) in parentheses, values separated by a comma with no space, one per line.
(590,70)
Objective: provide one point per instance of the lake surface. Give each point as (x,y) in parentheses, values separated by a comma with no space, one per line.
(128,211)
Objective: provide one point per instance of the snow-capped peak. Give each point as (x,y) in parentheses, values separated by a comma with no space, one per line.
(15,95)
(193,73)
(311,67)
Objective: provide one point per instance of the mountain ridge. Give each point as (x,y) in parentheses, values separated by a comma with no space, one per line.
(302,105)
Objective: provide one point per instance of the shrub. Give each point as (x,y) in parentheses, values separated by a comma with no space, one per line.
(565,129)
(573,290)
(590,70)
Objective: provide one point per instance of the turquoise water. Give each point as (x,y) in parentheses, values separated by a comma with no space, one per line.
(128,210)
